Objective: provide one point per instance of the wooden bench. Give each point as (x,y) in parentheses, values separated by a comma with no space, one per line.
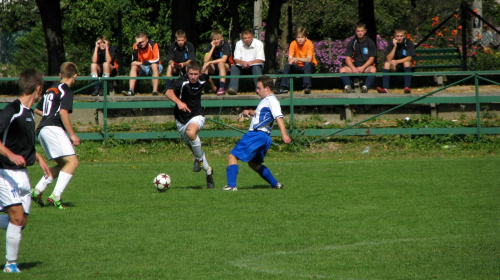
(444,58)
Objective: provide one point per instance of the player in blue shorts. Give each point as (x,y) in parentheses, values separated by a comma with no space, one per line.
(253,146)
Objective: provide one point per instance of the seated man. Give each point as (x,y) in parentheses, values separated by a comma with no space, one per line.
(399,55)
(180,53)
(301,59)
(248,58)
(145,62)
(217,53)
(103,62)
(359,58)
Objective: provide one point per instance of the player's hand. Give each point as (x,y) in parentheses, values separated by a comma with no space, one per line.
(44,167)
(394,42)
(213,43)
(183,107)
(136,63)
(97,44)
(394,63)
(286,139)
(75,140)
(17,160)
(105,43)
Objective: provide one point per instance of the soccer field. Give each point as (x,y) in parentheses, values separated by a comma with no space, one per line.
(428,218)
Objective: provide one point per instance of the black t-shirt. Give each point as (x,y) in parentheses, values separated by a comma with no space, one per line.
(56,98)
(181,54)
(362,51)
(224,49)
(17,133)
(406,48)
(189,94)
(101,55)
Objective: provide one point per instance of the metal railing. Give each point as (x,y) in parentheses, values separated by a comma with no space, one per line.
(292,101)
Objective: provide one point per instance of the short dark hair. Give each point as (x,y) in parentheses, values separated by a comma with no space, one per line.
(68,69)
(193,65)
(266,81)
(180,34)
(360,25)
(29,80)
(246,31)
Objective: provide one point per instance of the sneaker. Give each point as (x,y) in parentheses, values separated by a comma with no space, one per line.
(198,164)
(130,92)
(221,91)
(155,93)
(11,268)
(382,90)
(37,198)
(227,188)
(281,90)
(278,186)
(364,89)
(100,93)
(232,91)
(95,92)
(407,90)
(307,90)
(210,179)
(57,203)
(347,89)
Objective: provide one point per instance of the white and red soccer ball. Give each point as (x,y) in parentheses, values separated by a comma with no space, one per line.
(162,182)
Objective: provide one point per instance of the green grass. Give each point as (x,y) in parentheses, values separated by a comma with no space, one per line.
(369,218)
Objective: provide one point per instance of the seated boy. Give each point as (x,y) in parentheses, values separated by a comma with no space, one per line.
(180,53)
(217,53)
(399,55)
(103,62)
(359,58)
(301,59)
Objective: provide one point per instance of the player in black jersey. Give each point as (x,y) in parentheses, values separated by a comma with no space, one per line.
(17,151)
(186,93)
(52,132)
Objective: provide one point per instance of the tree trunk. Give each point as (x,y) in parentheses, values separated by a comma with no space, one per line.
(366,10)
(184,17)
(234,36)
(271,40)
(50,12)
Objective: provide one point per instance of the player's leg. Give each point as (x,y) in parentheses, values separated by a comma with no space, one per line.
(234,82)
(346,80)
(69,165)
(212,71)
(223,69)
(13,237)
(256,70)
(155,69)
(95,72)
(370,79)
(407,78)
(134,71)
(192,129)
(232,170)
(170,72)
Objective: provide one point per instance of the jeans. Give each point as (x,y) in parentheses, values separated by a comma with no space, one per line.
(308,68)
(237,70)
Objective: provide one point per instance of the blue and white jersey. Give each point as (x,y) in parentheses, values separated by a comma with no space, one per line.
(267,112)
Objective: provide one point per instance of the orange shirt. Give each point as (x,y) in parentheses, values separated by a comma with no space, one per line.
(302,51)
(150,54)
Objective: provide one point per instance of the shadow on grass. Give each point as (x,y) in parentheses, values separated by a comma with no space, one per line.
(29,265)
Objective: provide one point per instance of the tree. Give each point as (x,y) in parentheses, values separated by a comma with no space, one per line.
(184,17)
(366,11)
(50,12)
(271,40)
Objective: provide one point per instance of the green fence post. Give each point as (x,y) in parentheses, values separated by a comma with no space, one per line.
(105,110)
(478,107)
(292,113)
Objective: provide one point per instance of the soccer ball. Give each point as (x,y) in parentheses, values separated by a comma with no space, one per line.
(162,182)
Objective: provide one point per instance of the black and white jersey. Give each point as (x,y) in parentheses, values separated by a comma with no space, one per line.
(17,132)
(189,94)
(59,96)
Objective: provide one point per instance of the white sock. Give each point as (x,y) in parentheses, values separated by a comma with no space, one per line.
(93,75)
(196,145)
(105,75)
(42,184)
(206,167)
(62,182)
(4,221)
(13,241)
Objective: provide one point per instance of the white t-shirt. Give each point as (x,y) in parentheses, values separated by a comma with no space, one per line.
(249,53)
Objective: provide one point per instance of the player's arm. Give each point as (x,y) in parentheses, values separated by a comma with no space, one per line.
(248,113)
(94,55)
(368,63)
(281,126)
(43,165)
(64,114)
(170,94)
(208,55)
(16,159)
(109,57)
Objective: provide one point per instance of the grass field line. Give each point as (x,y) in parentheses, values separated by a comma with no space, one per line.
(257,263)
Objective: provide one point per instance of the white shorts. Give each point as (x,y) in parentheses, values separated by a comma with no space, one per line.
(55,142)
(15,189)
(181,128)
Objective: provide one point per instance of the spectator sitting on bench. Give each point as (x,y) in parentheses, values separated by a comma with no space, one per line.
(216,57)
(301,59)
(399,55)
(145,62)
(248,58)
(103,62)
(359,58)
(179,54)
